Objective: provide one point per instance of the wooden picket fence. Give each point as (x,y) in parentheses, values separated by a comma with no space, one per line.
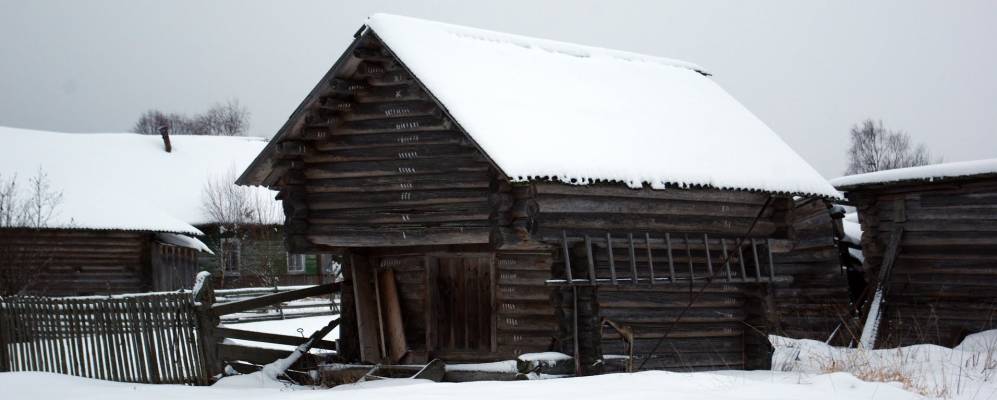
(148,338)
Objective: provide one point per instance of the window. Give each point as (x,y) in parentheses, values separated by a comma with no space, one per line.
(231,255)
(296,263)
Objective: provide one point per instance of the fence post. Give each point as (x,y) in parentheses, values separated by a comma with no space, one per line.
(207,323)
(4,340)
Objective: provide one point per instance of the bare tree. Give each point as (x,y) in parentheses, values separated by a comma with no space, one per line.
(150,121)
(21,214)
(874,148)
(246,214)
(221,119)
(224,119)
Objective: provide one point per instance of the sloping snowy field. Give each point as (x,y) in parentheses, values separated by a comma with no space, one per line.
(645,385)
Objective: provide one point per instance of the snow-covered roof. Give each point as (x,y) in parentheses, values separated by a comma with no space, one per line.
(126,181)
(547,109)
(923,173)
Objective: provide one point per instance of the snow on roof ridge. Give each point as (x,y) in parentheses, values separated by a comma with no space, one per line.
(538,114)
(529,42)
(126,181)
(924,172)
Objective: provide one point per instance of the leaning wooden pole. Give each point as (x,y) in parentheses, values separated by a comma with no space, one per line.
(870,330)
(207,324)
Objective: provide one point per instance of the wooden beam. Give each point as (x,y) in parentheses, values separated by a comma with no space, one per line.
(232,333)
(271,299)
(394,327)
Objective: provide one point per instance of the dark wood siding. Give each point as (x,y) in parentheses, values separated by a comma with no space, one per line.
(376,162)
(80,262)
(944,280)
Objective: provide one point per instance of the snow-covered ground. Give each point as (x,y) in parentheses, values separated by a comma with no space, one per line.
(655,385)
(968,371)
(802,369)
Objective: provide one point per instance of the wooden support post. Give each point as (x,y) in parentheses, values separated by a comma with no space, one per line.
(671,263)
(380,314)
(574,330)
(768,243)
(397,347)
(650,257)
(591,260)
(633,258)
(723,248)
(567,258)
(207,324)
(758,265)
(709,261)
(740,260)
(688,254)
(612,261)
(366,305)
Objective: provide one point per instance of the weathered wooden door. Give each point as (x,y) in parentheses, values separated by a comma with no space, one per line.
(460,318)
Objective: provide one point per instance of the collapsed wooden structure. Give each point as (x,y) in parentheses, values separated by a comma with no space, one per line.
(930,246)
(449,257)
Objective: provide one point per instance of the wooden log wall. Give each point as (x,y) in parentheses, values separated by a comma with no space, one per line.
(526,316)
(815,303)
(376,162)
(944,280)
(173,267)
(63,262)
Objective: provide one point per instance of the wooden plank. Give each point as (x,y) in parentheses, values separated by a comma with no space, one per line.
(688,255)
(272,299)
(612,261)
(771,262)
(366,305)
(709,260)
(723,249)
(394,327)
(758,266)
(633,259)
(671,262)
(590,258)
(567,257)
(650,257)
(432,301)
(233,333)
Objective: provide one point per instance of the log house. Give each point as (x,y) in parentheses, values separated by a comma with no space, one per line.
(454,252)
(126,216)
(938,225)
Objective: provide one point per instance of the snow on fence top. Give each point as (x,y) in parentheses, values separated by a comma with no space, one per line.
(127,181)
(923,173)
(547,109)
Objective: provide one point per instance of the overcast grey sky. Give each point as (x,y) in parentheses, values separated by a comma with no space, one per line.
(808,69)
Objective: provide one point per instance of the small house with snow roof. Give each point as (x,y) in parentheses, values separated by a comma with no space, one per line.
(121,215)
(929,241)
(495,194)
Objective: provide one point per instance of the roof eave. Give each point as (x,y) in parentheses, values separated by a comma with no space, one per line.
(259,170)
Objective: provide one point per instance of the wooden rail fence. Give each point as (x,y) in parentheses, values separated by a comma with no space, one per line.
(324,304)
(149,338)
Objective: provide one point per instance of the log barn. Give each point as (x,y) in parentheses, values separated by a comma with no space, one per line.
(929,240)
(495,194)
(121,213)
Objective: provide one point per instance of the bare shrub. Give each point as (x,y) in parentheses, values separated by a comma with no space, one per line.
(22,213)
(243,213)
